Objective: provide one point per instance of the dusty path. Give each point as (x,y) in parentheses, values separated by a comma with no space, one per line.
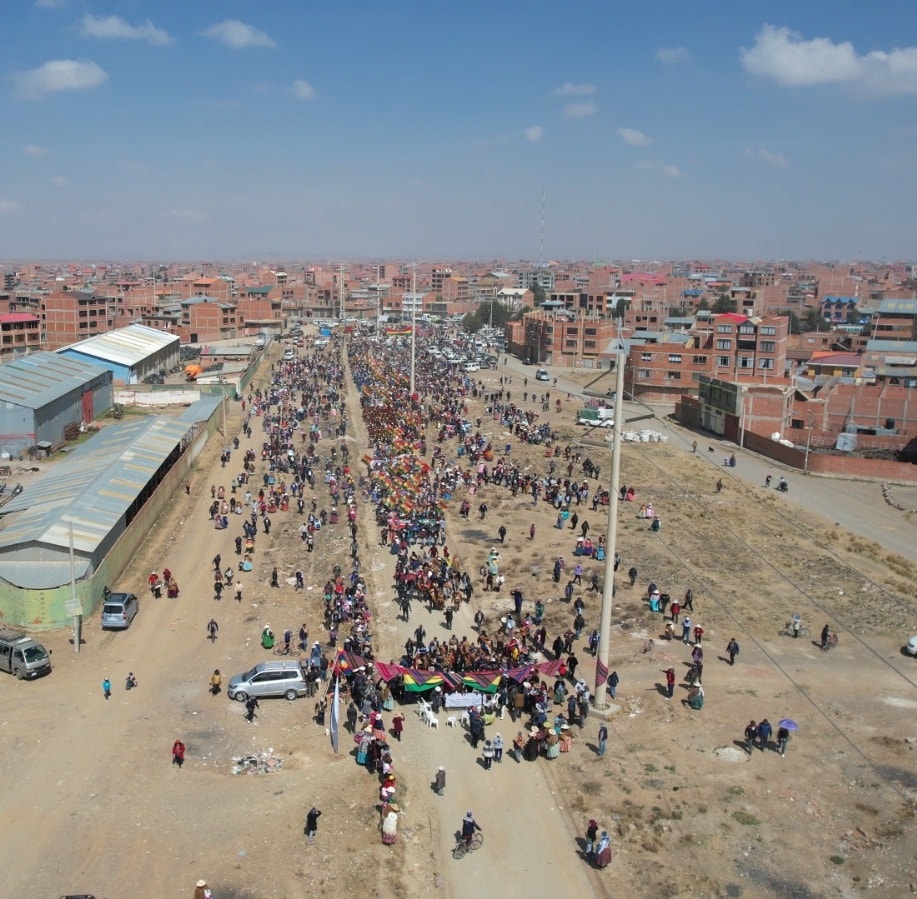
(92,803)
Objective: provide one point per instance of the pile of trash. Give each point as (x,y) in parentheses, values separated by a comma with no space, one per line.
(262,763)
(644,436)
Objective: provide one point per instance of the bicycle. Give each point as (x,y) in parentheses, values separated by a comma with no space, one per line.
(463,846)
(787,630)
(282,650)
(830,643)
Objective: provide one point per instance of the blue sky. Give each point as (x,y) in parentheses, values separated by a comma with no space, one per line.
(181,129)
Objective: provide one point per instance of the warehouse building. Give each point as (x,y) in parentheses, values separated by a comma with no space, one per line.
(42,395)
(100,503)
(131,354)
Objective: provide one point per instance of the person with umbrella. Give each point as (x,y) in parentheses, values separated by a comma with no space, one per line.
(785,725)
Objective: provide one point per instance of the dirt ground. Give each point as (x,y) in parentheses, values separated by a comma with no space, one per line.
(92,803)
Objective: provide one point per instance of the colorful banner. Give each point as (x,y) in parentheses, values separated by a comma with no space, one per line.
(486,681)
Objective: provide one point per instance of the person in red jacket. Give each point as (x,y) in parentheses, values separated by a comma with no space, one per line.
(178,753)
(669,682)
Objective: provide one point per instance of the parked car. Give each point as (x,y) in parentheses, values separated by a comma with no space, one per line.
(119,610)
(281,678)
(911,647)
(542,375)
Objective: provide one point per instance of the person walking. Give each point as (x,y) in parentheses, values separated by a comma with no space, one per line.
(613,684)
(250,705)
(106,688)
(398,726)
(238,591)
(602,738)
(686,631)
(501,531)
(531,532)
(688,604)
(632,574)
(592,833)
(178,753)
(669,683)
(216,682)
(212,630)
(312,817)
(675,611)
(488,754)
(732,650)
(783,737)
(764,733)
(498,748)
(751,736)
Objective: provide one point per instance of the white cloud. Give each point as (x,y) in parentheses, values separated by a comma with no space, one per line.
(302,90)
(650,165)
(8,206)
(533,134)
(777,160)
(60,181)
(50,4)
(783,56)
(58,75)
(579,110)
(237,35)
(115,27)
(634,137)
(672,55)
(568,89)
(32,150)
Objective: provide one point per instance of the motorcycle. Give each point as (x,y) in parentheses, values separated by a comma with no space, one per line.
(783,487)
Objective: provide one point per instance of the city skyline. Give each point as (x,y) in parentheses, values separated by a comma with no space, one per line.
(159,132)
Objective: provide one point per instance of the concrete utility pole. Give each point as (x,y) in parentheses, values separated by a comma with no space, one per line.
(608,588)
(413,328)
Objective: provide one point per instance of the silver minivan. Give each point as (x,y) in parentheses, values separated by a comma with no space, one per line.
(119,610)
(281,678)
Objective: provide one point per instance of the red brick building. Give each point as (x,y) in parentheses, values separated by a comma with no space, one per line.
(20,333)
(73,315)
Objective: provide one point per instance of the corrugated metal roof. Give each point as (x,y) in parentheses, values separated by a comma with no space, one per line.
(42,575)
(901,306)
(35,380)
(891,346)
(201,410)
(92,489)
(126,346)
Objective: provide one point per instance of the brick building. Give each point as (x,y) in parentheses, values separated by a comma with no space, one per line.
(20,333)
(73,315)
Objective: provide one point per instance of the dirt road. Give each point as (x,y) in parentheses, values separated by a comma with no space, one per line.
(93,804)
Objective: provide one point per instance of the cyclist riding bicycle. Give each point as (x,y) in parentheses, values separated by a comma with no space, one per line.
(796,624)
(469,826)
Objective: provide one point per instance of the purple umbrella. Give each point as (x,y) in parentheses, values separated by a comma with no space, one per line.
(788,723)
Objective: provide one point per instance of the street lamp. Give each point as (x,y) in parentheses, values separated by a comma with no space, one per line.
(413,329)
(608,587)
